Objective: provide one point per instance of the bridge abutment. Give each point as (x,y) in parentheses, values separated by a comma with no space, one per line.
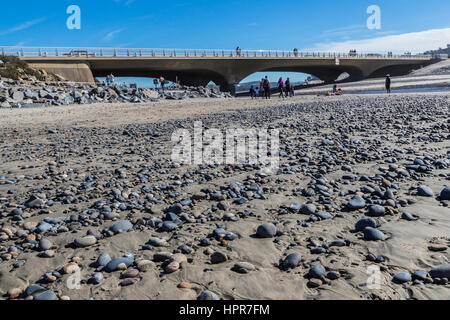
(77,72)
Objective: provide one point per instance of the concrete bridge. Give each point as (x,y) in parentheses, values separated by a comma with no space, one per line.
(198,67)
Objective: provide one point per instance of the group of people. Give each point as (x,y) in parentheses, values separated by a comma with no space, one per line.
(285,88)
(110,80)
(337,91)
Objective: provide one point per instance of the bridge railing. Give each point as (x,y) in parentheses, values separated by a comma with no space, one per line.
(140,52)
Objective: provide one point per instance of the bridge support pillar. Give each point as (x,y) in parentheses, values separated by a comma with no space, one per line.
(226,86)
(193,81)
(330,76)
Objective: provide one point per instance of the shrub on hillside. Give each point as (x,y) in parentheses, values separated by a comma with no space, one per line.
(15,68)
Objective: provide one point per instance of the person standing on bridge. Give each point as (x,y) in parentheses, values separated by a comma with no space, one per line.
(388,83)
(238,52)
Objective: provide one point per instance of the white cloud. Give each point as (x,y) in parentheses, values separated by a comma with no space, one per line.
(20,44)
(111,35)
(23,26)
(415,42)
(343,31)
(127,2)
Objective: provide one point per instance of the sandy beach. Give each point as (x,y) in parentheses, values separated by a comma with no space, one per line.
(91,190)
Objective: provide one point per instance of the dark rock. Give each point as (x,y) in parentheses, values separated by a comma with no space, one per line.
(402,278)
(357,202)
(121,226)
(441,272)
(292,261)
(46,295)
(103,260)
(207,295)
(425,191)
(420,275)
(114,263)
(266,230)
(308,208)
(445,193)
(218,257)
(376,211)
(317,271)
(373,234)
(408,216)
(364,223)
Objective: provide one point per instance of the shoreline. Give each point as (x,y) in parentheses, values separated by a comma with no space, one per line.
(105,114)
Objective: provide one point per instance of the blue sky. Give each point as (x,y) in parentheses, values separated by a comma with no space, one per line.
(282,25)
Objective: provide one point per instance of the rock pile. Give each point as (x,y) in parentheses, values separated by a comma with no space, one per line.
(25,94)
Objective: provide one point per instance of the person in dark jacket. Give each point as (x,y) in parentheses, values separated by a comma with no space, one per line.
(388,83)
(287,85)
(266,85)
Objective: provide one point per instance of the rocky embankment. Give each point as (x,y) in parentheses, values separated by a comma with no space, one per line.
(16,94)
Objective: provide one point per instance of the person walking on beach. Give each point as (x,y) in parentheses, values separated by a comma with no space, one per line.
(280,87)
(388,84)
(288,87)
(252,92)
(162,81)
(261,88)
(108,80)
(266,85)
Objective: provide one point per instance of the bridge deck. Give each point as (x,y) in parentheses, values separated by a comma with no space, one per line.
(53,52)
